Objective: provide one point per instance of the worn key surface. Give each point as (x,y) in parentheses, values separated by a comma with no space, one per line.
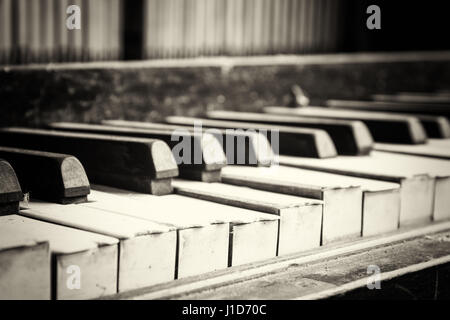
(144,165)
(435,126)
(10,190)
(304,142)
(211,236)
(24,266)
(199,156)
(384,127)
(146,249)
(342,202)
(424,181)
(48,176)
(349,137)
(380,200)
(300,218)
(432,149)
(73,252)
(240,147)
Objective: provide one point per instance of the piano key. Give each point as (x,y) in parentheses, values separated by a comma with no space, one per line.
(74,252)
(425,150)
(384,127)
(290,140)
(405,107)
(10,190)
(424,181)
(377,212)
(442,143)
(146,249)
(435,126)
(411,97)
(48,176)
(300,218)
(211,236)
(202,161)
(342,203)
(349,137)
(24,266)
(144,165)
(254,146)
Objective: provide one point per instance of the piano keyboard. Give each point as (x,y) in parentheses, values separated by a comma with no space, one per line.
(107,208)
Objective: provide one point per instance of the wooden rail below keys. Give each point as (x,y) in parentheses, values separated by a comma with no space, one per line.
(48,176)
(144,165)
(418,244)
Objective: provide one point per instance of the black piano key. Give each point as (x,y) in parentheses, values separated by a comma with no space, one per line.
(206,155)
(10,190)
(435,126)
(383,127)
(250,148)
(349,137)
(49,176)
(384,103)
(305,142)
(138,164)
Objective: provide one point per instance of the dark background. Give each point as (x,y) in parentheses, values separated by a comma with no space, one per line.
(405,25)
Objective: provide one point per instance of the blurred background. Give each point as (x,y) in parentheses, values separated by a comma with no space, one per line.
(34,31)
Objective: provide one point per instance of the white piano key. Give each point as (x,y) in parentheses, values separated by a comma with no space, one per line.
(432,150)
(94,255)
(24,266)
(342,202)
(203,228)
(300,218)
(147,249)
(423,180)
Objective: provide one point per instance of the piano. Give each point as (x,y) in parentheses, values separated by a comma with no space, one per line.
(273,202)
